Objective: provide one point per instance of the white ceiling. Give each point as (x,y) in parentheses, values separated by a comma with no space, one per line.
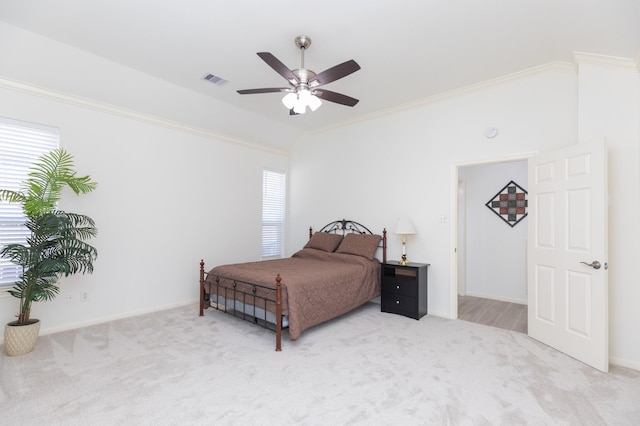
(408,49)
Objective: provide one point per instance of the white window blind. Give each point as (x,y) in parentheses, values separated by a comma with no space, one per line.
(21,143)
(273,208)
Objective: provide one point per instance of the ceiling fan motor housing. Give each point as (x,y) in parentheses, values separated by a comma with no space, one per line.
(304,75)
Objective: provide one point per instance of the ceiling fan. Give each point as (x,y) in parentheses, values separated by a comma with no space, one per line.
(305,85)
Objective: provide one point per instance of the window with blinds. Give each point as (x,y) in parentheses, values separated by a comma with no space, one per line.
(21,144)
(273,208)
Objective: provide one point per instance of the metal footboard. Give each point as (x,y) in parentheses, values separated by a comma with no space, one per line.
(245,300)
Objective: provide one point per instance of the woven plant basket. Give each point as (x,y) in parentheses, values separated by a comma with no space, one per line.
(20,339)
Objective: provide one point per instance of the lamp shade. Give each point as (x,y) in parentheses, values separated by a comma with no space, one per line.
(404,226)
(314,102)
(290,100)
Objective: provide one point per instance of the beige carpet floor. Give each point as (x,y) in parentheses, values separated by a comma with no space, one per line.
(366,368)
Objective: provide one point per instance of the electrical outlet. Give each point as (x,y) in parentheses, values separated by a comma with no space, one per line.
(84,296)
(70,298)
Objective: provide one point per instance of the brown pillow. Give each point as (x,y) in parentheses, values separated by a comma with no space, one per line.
(323,241)
(364,245)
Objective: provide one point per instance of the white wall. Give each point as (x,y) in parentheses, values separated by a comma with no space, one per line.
(495,252)
(609,110)
(166,198)
(401,164)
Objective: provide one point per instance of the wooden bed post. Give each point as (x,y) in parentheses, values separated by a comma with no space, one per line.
(201,287)
(278,314)
(310,232)
(384,245)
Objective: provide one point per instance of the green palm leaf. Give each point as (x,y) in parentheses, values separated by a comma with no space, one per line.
(47,179)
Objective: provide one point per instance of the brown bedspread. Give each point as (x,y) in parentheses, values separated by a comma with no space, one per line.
(316,285)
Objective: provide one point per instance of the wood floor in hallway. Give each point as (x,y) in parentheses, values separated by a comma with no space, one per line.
(495,313)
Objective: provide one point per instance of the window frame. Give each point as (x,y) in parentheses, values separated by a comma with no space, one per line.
(274,201)
(21,144)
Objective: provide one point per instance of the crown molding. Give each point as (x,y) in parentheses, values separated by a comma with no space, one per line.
(611,62)
(556,65)
(50,94)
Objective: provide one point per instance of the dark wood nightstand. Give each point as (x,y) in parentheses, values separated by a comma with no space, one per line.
(404,289)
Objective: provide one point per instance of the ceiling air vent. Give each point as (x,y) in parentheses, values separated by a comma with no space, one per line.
(214,79)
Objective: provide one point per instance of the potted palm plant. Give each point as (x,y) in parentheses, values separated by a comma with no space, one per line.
(55,247)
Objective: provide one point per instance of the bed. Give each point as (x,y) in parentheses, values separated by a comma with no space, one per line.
(336,271)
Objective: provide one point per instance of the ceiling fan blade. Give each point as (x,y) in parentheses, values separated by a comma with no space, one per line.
(264,90)
(335,73)
(278,66)
(338,98)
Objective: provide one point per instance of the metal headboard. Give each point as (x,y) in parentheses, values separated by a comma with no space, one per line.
(345,226)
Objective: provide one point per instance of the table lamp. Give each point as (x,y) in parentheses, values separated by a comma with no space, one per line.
(404,227)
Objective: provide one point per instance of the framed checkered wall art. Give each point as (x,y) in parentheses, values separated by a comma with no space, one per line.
(510,204)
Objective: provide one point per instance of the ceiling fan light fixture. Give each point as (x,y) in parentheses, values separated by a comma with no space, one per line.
(300,107)
(299,101)
(304,94)
(289,100)
(314,102)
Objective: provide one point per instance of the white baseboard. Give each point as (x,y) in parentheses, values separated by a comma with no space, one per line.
(444,315)
(635,365)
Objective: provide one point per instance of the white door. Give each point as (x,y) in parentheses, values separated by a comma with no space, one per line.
(567,252)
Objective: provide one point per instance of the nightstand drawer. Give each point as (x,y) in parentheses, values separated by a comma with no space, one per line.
(397,286)
(399,304)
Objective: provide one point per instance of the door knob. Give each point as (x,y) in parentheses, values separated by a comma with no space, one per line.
(595,264)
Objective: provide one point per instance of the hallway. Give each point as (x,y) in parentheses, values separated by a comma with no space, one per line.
(495,313)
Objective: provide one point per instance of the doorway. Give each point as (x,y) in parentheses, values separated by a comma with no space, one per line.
(491,280)
(494,313)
